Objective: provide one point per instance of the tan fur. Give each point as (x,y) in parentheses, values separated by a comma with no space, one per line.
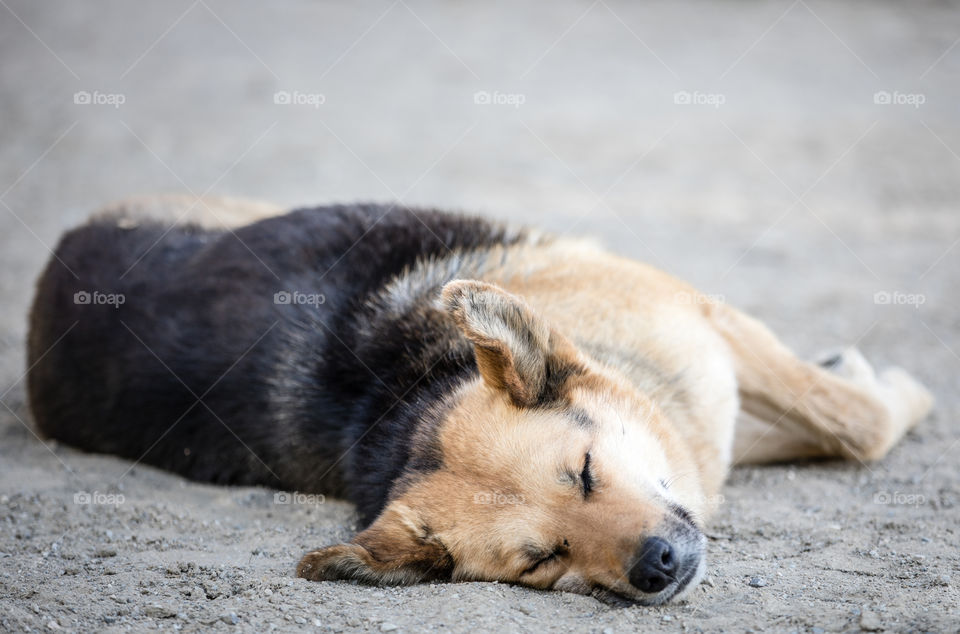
(708,358)
(662,372)
(211,212)
(510,472)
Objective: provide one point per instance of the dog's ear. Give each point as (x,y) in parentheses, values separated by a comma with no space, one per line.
(397,549)
(516,350)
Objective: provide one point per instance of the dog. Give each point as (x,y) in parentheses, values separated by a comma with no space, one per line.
(500,404)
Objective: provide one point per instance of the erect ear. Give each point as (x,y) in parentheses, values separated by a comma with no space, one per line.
(516,350)
(397,549)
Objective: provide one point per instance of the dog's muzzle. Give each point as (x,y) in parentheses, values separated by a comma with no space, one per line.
(657,565)
(664,567)
(670,563)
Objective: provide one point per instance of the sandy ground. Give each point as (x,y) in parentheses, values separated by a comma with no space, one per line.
(784,185)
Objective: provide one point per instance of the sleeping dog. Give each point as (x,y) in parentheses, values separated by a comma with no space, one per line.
(499,404)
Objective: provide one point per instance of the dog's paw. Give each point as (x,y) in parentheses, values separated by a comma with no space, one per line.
(329,564)
(915,400)
(849,364)
(907,401)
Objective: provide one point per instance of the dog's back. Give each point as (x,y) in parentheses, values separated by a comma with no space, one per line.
(227,356)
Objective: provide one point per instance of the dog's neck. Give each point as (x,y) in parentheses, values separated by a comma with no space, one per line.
(398,360)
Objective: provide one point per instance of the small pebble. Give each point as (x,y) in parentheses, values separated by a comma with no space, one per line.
(230,619)
(158,611)
(387,627)
(757,582)
(526,608)
(870,621)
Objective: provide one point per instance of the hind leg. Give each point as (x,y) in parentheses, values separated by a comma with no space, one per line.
(796,409)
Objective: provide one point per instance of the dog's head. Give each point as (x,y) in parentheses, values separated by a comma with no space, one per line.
(553,473)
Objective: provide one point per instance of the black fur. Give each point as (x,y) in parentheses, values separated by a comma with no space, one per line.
(199,371)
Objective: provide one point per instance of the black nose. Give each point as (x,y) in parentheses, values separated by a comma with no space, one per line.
(655,567)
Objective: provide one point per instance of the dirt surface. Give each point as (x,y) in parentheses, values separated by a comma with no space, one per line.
(786,185)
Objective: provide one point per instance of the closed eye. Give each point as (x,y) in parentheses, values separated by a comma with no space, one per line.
(552,556)
(540,562)
(586,478)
